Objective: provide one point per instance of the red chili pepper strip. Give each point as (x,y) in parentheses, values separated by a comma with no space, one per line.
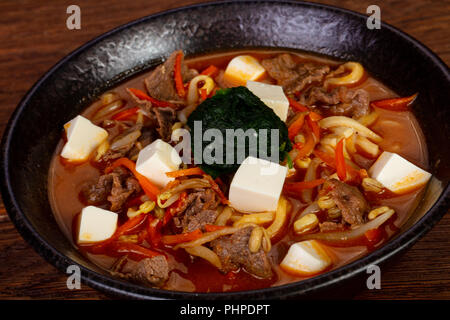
(149,188)
(133,251)
(340,161)
(212,227)
(296,126)
(314,127)
(211,71)
(183,237)
(153,232)
(125,114)
(295,188)
(297,105)
(196,171)
(143,96)
(178,77)
(373,235)
(396,104)
(204,94)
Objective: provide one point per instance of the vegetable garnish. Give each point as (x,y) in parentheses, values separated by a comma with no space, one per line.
(297,105)
(294,188)
(196,171)
(340,161)
(203,94)
(213,227)
(236,109)
(330,161)
(314,126)
(296,126)
(178,77)
(143,96)
(210,71)
(183,237)
(149,188)
(125,114)
(396,104)
(133,251)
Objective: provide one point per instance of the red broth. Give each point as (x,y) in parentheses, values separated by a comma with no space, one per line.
(401,132)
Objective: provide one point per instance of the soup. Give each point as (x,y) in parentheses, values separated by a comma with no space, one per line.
(347,158)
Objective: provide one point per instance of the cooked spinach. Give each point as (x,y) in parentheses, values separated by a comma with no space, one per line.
(237,108)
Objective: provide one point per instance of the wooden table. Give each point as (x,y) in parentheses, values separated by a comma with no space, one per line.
(33,37)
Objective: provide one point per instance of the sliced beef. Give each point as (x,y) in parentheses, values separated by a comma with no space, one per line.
(199,209)
(165,117)
(349,200)
(151,271)
(114,187)
(98,192)
(160,83)
(234,252)
(121,190)
(320,95)
(294,77)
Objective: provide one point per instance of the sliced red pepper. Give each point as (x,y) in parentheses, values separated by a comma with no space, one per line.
(178,77)
(373,235)
(143,96)
(396,104)
(133,251)
(297,105)
(154,232)
(211,71)
(183,237)
(149,188)
(355,174)
(125,114)
(298,145)
(313,126)
(295,188)
(296,126)
(340,161)
(196,171)
(213,227)
(204,94)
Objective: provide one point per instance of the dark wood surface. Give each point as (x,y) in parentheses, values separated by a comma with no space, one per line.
(33,37)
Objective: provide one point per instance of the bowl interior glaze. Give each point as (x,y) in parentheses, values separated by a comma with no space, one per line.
(393,57)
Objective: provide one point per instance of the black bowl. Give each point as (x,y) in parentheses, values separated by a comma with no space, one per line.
(34,129)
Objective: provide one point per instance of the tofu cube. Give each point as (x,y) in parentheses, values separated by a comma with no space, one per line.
(257,185)
(155,160)
(306,258)
(96,224)
(83,137)
(273,96)
(398,174)
(243,68)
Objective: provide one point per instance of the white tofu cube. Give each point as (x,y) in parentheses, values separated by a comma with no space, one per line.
(306,258)
(257,185)
(273,96)
(96,224)
(398,174)
(243,68)
(155,160)
(83,137)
